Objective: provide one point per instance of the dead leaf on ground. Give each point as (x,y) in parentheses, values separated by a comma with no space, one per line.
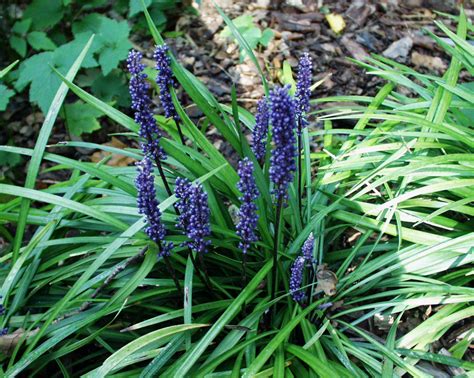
(336,22)
(116,160)
(8,342)
(429,62)
(327,280)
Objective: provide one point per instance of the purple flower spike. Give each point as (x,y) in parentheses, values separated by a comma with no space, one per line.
(194,214)
(141,104)
(296,279)
(260,131)
(303,91)
(165,80)
(2,309)
(148,206)
(307,249)
(282,115)
(248,210)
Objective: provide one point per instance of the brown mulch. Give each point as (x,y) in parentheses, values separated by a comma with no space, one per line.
(372,27)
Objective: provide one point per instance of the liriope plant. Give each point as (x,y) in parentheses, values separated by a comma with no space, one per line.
(305,259)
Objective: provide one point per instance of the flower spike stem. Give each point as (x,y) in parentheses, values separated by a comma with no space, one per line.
(276,240)
(163,177)
(190,253)
(171,271)
(180,132)
(244,270)
(300,173)
(206,274)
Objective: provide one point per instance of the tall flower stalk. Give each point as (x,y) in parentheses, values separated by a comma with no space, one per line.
(248,217)
(260,131)
(302,96)
(141,104)
(148,206)
(283,165)
(193,219)
(297,270)
(165,81)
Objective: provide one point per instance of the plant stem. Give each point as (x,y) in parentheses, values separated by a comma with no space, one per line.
(196,267)
(206,274)
(276,238)
(244,270)
(244,280)
(172,272)
(180,132)
(163,177)
(300,172)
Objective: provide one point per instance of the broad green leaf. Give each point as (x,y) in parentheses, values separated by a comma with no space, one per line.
(111,44)
(82,118)
(38,71)
(44,13)
(21,27)
(5,95)
(18,44)
(135,6)
(40,41)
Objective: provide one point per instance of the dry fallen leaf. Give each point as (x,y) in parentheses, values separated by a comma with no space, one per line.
(336,22)
(116,160)
(327,280)
(426,61)
(9,341)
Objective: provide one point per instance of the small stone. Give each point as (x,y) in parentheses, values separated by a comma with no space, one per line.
(356,50)
(400,49)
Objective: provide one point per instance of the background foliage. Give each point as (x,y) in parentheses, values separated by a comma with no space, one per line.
(49,34)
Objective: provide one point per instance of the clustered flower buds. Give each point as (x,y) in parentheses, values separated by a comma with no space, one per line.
(248,210)
(282,115)
(165,80)
(141,104)
(287,117)
(297,270)
(307,249)
(148,206)
(2,309)
(303,90)
(296,279)
(194,214)
(260,131)
(3,331)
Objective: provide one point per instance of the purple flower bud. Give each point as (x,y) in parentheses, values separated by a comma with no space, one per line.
(141,104)
(194,214)
(248,210)
(165,80)
(296,279)
(3,331)
(148,206)
(260,131)
(303,91)
(2,309)
(307,249)
(282,115)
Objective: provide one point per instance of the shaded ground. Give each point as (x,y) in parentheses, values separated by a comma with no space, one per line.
(371,27)
(392,28)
